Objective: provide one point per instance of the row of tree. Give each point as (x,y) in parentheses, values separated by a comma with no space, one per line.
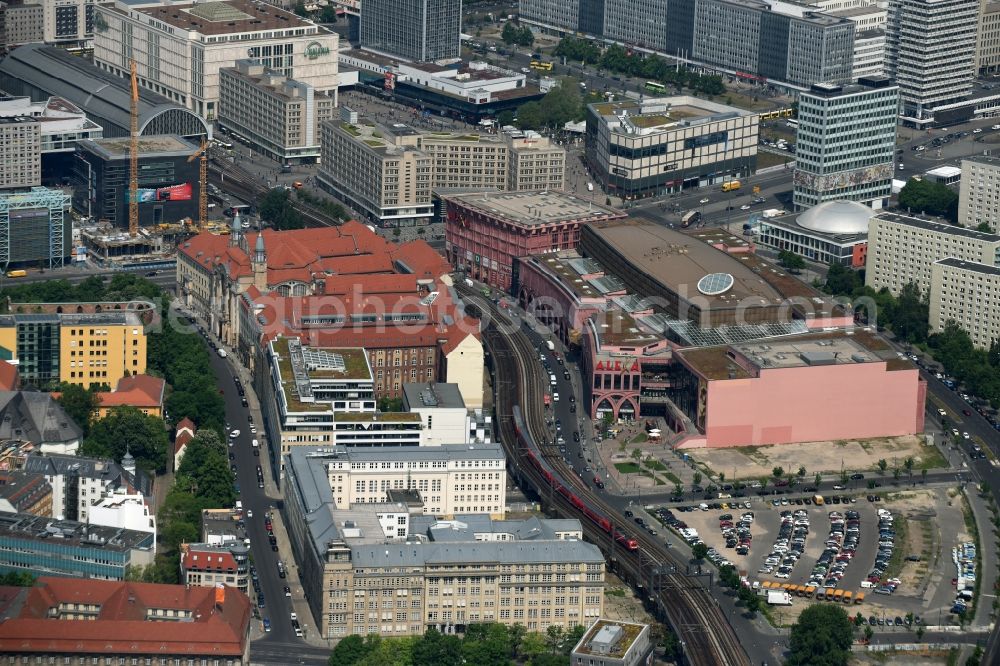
(617,58)
(275,206)
(203,481)
(560,105)
(486,644)
(907,315)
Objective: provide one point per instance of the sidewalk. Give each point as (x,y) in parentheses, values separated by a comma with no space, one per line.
(987,551)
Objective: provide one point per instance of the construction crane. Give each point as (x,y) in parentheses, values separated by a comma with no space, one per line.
(133,158)
(202,184)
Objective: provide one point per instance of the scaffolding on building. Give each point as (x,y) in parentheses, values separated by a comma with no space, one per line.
(57,204)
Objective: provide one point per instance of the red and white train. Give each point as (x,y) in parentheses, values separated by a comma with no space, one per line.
(533,454)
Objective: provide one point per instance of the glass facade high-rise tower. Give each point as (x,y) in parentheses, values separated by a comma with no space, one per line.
(415,30)
(846,143)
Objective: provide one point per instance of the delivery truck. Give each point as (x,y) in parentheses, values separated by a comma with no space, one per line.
(779,598)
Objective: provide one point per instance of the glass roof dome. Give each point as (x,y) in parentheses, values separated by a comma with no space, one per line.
(837,217)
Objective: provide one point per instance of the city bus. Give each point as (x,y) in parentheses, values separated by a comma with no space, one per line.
(543,66)
(654,87)
(242,209)
(690,217)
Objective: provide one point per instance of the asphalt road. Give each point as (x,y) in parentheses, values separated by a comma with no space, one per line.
(280,641)
(73,274)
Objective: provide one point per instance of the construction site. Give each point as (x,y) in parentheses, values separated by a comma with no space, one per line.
(133,226)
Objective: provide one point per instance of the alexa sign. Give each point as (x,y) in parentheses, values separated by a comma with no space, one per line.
(315,50)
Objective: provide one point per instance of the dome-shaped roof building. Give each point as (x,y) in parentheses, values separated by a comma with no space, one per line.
(837,217)
(831,232)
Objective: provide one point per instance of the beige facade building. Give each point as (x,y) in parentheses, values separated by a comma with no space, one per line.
(279,116)
(20,152)
(988,38)
(180,48)
(389,173)
(902,249)
(21,23)
(378,569)
(979,195)
(967,293)
(656,146)
(451,478)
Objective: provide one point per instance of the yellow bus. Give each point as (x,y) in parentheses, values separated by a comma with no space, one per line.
(16,274)
(731,185)
(544,66)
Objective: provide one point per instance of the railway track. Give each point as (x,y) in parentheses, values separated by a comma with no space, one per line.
(657,574)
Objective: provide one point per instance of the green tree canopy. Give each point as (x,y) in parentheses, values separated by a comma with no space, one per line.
(276,207)
(128,429)
(821,637)
(924,196)
(79,403)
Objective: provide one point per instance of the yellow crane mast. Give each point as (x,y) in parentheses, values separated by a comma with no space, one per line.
(133,156)
(202,184)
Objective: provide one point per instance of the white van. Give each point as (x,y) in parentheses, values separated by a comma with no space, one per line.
(867,584)
(552,380)
(239,505)
(255,444)
(222,353)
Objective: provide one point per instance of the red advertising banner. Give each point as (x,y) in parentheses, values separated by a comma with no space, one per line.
(180,192)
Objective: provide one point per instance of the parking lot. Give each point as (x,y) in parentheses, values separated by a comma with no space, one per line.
(907,547)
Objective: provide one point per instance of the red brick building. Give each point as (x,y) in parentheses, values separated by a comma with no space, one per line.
(486,231)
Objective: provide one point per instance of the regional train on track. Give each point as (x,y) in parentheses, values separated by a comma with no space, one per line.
(534,454)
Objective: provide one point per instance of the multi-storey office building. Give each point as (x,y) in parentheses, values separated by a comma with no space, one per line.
(967,293)
(390,172)
(168,181)
(902,249)
(179,47)
(81,344)
(485,233)
(278,116)
(442,411)
(373,568)
(782,41)
(21,23)
(20,153)
(416,30)
(81,550)
(451,478)
(663,145)
(931,53)
(846,143)
(979,195)
(988,39)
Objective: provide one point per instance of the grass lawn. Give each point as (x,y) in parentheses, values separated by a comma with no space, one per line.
(931,458)
(640,438)
(627,468)
(656,465)
(672,477)
(652,476)
(767,159)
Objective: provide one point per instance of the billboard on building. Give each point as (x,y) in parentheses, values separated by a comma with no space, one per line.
(390,81)
(181,192)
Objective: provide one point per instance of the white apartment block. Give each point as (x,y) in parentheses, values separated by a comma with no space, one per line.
(636,22)
(967,293)
(390,172)
(979,195)
(451,478)
(931,53)
(20,152)
(902,249)
(988,39)
(122,507)
(279,116)
(21,24)
(442,574)
(179,47)
(846,143)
